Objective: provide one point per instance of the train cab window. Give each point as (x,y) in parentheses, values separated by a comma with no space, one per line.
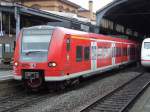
(79,53)
(147,45)
(86,53)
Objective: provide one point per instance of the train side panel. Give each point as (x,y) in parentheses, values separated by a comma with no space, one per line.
(77,58)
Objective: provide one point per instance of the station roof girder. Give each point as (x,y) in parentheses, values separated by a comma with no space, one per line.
(132,14)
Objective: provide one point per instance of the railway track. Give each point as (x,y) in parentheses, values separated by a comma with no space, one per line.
(120,99)
(11,104)
(13,96)
(7,89)
(19,85)
(21,100)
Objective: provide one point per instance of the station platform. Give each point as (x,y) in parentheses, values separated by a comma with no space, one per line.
(6,67)
(6,74)
(143,103)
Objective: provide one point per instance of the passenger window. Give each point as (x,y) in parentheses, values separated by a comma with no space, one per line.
(134,50)
(79,53)
(117,52)
(86,53)
(124,51)
(120,52)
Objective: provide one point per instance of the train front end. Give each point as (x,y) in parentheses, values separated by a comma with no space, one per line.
(145,53)
(31,55)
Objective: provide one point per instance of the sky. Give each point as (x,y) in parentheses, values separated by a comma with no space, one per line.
(97,4)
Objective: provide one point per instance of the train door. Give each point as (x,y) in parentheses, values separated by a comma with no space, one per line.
(0,52)
(93,56)
(113,53)
(128,52)
(67,56)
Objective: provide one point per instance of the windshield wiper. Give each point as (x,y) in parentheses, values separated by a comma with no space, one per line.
(29,52)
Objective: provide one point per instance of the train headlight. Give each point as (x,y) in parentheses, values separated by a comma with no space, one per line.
(52,64)
(16,64)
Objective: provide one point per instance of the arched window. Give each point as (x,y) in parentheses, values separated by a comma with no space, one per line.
(36,6)
(61,8)
(67,10)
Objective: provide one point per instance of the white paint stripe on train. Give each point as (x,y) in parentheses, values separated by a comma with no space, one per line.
(75,75)
(98,40)
(84,73)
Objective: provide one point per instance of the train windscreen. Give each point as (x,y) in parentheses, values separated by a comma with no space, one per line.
(34,45)
(147,45)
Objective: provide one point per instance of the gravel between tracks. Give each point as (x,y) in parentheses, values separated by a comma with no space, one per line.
(68,101)
(8,88)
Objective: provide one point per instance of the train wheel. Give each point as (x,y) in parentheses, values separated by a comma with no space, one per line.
(56,86)
(75,82)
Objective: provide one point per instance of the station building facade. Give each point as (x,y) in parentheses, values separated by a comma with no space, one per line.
(62,6)
(53,5)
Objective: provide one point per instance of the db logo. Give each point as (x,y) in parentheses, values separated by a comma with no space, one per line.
(32,65)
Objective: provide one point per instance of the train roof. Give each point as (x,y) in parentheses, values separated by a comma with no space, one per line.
(40,27)
(94,35)
(146,40)
(81,33)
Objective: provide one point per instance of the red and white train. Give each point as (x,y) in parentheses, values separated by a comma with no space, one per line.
(48,54)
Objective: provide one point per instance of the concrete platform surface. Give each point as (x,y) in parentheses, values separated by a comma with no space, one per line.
(4,66)
(6,74)
(143,103)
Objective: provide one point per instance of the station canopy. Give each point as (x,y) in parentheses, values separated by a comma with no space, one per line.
(133,14)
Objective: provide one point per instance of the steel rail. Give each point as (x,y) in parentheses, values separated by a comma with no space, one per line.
(119,99)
